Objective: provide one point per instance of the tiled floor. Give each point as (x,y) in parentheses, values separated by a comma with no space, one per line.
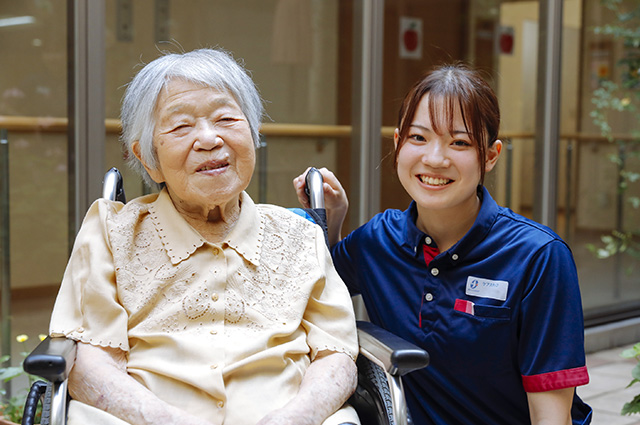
(606,392)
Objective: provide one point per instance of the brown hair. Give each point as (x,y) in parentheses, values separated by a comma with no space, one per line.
(451,88)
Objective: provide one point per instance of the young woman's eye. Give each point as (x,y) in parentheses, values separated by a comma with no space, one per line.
(461,142)
(417,138)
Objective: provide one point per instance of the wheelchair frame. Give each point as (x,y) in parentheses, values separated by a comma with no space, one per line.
(384,357)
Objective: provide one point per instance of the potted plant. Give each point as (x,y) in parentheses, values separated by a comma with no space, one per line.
(11,408)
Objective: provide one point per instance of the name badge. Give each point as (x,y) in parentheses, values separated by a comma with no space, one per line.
(485,288)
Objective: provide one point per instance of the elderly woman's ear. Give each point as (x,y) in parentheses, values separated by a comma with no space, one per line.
(155,174)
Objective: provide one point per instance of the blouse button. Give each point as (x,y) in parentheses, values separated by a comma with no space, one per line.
(220,404)
(455,256)
(427,240)
(214,297)
(435,271)
(428,297)
(216,251)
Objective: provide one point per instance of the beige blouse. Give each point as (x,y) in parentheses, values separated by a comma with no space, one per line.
(225,331)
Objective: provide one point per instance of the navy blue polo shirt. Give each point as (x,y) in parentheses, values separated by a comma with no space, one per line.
(500,312)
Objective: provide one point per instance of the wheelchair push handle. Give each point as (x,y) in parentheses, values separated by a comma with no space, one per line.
(313,188)
(113,187)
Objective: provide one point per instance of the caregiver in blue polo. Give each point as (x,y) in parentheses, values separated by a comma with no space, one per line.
(491,295)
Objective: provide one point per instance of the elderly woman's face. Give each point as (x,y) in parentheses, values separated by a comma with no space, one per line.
(205,152)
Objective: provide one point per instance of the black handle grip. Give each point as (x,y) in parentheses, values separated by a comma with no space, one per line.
(31,405)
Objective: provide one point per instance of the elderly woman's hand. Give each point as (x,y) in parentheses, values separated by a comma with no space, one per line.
(335,201)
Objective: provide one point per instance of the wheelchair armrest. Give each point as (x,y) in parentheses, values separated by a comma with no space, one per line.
(52,359)
(397,356)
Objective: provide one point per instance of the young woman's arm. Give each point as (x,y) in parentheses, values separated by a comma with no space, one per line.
(335,201)
(551,407)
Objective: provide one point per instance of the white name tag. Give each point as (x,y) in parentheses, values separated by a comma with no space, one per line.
(485,288)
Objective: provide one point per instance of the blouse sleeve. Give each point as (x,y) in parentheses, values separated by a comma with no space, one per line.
(329,317)
(87,307)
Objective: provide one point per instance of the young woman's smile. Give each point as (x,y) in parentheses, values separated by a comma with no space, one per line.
(438,166)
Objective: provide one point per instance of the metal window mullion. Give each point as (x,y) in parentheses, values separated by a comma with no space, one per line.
(548,112)
(367,107)
(86,106)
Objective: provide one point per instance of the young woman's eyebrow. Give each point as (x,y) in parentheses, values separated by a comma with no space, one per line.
(453,133)
(422,127)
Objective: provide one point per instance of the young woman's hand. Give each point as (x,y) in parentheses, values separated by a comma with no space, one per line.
(335,201)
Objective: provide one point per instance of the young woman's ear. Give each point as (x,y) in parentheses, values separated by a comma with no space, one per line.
(493,153)
(155,174)
(396,138)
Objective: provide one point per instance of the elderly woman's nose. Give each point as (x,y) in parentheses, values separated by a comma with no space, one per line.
(207,136)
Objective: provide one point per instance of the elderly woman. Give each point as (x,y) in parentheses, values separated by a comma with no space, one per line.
(195,305)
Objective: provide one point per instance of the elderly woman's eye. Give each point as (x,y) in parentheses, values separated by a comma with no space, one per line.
(180,127)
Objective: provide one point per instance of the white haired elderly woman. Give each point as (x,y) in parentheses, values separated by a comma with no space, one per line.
(195,305)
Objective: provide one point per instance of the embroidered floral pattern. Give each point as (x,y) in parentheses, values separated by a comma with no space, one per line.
(158,294)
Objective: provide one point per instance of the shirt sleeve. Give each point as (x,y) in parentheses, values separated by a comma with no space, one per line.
(329,317)
(551,347)
(87,307)
(345,263)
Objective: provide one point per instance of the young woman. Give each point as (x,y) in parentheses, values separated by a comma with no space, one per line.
(492,296)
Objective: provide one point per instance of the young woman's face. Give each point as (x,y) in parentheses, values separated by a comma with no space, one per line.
(441,171)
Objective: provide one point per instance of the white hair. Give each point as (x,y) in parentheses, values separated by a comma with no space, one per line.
(211,67)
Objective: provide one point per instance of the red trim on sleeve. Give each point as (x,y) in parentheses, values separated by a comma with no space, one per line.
(556,380)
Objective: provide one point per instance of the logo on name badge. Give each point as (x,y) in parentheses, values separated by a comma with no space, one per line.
(486,288)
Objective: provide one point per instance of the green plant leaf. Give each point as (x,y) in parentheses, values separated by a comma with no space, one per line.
(635,372)
(632,407)
(632,352)
(9,373)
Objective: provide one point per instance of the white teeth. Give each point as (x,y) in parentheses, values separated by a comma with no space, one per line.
(207,168)
(434,181)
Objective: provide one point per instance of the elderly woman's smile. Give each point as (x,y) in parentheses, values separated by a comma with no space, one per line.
(205,153)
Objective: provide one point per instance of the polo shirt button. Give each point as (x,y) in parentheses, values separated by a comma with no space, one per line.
(428,297)
(435,271)
(427,240)
(455,256)
(216,251)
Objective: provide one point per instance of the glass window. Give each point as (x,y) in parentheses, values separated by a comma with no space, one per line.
(604,166)
(292,50)
(33,111)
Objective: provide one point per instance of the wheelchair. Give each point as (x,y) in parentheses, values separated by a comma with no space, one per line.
(383,359)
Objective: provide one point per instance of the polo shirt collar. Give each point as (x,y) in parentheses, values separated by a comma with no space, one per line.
(487,216)
(180,240)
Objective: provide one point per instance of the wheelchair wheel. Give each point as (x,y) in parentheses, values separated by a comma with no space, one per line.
(46,405)
(372,398)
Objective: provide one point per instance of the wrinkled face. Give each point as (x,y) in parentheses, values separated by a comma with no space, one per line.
(440,171)
(203,143)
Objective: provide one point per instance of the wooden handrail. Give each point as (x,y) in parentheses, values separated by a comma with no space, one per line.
(113,126)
